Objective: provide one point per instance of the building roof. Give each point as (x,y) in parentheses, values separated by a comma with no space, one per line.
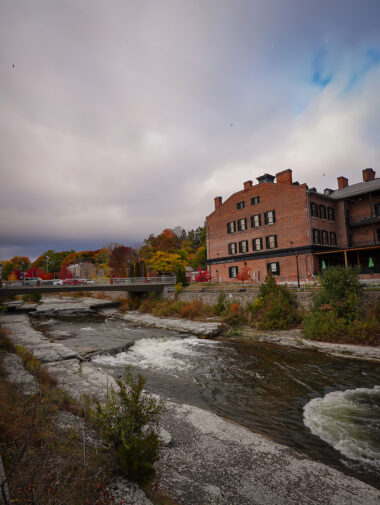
(356,189)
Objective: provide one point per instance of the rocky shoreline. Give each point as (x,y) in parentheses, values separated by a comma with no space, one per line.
(211,460)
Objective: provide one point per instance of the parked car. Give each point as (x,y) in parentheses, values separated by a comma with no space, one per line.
(32,281)
(86,281)
(57,282)
(71,282)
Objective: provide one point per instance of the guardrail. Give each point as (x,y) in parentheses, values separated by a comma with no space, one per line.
(159,280)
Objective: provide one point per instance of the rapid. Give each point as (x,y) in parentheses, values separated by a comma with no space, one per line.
(325,407)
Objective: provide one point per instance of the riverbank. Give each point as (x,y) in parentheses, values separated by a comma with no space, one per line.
(254,469)
(211,460)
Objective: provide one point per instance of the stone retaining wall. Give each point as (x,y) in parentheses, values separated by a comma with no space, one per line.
(210,296)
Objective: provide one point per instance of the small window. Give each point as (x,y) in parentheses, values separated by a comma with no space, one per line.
(243,246)
(231,227)
(255,200)
(274,268)
(269,217)
(378,234)
(332,238)
(242,224)
(324,237)
(232,272)
(256,221)
(271,241)
(314,209)
(240,205)
(377,209)
(322,212)
(316,237)
(330,214)
(232,249)
(257,244)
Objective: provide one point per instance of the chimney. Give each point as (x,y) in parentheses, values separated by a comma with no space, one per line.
(284,177)
(247,185)
(218,201)
(368,174)
(342,182)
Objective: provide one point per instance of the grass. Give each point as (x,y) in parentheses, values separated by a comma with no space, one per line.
(46,465)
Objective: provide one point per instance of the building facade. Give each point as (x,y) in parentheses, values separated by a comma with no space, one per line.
(293,231)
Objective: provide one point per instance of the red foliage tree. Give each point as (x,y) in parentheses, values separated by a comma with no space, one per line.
(64,273)
(244,275)
(119,260)
(203,275)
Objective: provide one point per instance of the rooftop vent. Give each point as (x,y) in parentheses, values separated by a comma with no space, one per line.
(265,178)
(296,183)
(314,190)
(328,191)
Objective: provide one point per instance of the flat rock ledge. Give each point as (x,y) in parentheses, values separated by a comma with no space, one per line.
(295,338)
(54,306)
(208,460)
(199,328)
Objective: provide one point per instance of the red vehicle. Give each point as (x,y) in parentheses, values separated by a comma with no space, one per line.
(71,282)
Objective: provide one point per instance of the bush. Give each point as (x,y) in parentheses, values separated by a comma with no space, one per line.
(339,288)
(221,305)
(234,315)
(337,315)
(328,326)
(128,422)
(31,297)
(274,309)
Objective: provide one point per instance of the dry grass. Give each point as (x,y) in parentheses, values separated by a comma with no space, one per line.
(45,465)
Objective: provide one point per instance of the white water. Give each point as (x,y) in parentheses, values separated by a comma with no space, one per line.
(173,355)
(349,421)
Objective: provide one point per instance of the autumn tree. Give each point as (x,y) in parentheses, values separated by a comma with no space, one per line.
(165,263)
(119,260)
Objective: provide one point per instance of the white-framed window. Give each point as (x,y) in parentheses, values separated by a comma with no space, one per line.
(257,244)
(316,236)
(324,237)
(232,249)
(274,268)
(256,221)
(242,224)
(322,212)
(330,214)
(243,246)
(232,272)
(270,217)
(231,227)
(271,241)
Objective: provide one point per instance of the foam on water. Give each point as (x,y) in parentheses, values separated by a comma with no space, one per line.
(87,328)
(158,353)
(349,421)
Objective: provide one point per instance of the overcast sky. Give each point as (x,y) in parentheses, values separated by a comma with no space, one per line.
(120,118)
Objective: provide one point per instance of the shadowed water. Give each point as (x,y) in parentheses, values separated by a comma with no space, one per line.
(303,399)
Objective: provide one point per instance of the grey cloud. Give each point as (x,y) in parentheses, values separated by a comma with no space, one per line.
(116,119)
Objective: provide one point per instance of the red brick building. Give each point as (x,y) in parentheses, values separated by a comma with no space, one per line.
(294,231)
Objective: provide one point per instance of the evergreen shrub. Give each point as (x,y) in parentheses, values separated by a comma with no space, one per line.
(128,421)
(275,308)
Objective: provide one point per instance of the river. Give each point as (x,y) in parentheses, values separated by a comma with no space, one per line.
(327,408)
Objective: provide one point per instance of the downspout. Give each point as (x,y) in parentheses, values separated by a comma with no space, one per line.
(372,216)
(309,228)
